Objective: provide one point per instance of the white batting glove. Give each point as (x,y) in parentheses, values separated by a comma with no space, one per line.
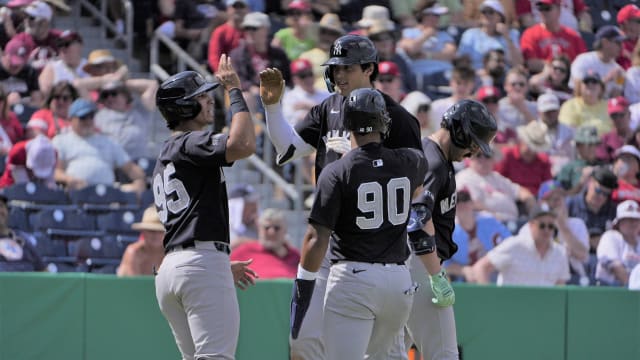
(339,144)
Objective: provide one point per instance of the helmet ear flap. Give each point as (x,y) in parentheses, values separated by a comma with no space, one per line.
(459,133)
(328,79)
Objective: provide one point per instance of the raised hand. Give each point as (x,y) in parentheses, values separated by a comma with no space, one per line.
(271,86)
(226,74)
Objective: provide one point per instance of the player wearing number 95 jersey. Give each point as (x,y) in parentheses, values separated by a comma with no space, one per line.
(195,283)
(363,200)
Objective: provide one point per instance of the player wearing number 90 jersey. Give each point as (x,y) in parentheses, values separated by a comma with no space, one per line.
(195,283)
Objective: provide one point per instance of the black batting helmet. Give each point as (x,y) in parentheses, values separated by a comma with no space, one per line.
(350,50)
(468,122)
(365,112)
(175,97)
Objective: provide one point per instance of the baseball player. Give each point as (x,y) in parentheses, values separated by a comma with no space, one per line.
(364,199)
(352,65)
(195,283)
(466,128)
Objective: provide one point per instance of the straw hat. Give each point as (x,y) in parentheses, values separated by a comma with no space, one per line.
(150,221)
(535,135)
(100,57)
(332,22)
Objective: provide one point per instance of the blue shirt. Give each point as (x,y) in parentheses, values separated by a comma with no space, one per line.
(489,231)
(475,43)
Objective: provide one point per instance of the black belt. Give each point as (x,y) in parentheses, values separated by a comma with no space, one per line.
(220,246)
(335,261)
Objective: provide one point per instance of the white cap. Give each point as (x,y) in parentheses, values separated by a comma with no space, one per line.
(41,157)
(493,4)
(627,210)
(256,19)
(548,102)
(39,9)
(436,9)
(629,149)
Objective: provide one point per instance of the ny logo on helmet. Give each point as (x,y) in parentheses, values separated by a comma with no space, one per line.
(337,50)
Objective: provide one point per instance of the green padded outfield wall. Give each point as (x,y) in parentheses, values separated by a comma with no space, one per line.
(100,317)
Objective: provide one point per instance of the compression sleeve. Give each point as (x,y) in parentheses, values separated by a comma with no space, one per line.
(288,143)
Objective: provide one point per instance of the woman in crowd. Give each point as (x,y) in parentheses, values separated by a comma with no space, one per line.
(56,111)
(554,77)
(588,107)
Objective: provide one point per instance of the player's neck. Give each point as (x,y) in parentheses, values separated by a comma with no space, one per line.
(362,140)
(441,137)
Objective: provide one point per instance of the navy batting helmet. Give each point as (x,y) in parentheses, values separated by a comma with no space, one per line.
(469,122)
(176,96)
(350,50)
(365,112)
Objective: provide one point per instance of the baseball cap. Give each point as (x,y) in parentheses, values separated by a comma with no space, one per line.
(627,210)
(495,5)
(605,177)
(38,123)
(487,91)
(39,10)
(548,187)
(256,19)
(541,210)
(627,13)
(628,149)
(18,3)
(592,75)
(548,102)
(331,22)
(388,68)
(299,5)
(586,134)
(81,107)
(300,65)
(548,2)
(68,37)
(617,105)
(41,157)
(18,51)
(610,32)
(436,9)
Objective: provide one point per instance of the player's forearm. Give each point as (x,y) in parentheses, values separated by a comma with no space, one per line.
(283,135)
(431,262)
(314,247)
(242,136)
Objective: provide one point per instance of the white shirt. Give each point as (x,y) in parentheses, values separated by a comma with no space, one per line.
(634,278)
(62,72)
(590,61)
(496,193)
(297,95)
(438,109)
(612,249)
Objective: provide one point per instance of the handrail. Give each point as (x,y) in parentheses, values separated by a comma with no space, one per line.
(107,24)
(184,58)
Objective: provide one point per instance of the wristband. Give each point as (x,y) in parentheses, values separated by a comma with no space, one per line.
(236,102)
(305,274)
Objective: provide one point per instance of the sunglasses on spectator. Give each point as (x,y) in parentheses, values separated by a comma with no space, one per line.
(239,5)
(89,116)
(482,155)
(617,116)
(545,226)
(560,69)
(304,75)
(424,108)
(386,79)
(490,100)
(62,97)
(381,37)
(543,7)
(488,12)
(601,191)
(518,83)
(296,13)
(109,93)
(590,81)
(250,28)
(274,227)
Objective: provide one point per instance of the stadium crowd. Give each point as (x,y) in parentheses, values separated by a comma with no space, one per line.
(561,77)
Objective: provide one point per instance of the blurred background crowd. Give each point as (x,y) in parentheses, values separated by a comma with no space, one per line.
(556,203)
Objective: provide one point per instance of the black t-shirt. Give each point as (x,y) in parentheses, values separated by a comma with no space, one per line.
(189,188)
(326,120)
(364,198)
(439,195)
(24,82)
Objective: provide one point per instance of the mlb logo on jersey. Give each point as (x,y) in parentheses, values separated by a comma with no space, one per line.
(377,163)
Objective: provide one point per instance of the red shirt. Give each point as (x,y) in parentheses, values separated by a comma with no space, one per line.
(12,127)
(267,264)
(539,43)
(223,39)
(53,125)
(523,7)
(625,191)
(624,59)
(611,142)
(17,157)
(527,174)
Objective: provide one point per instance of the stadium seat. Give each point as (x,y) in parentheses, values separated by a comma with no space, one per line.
(146,199)
(48,248)
(64,223)
(97,198)
(118,221)
(33,197)
(100,255)
(19,218)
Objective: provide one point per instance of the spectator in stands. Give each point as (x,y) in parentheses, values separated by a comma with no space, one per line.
(588,107)
(32,160)
(297,102)
(493,33)
(554,77)
(461,83)
(370,14)
(243,213)
(419,105)
(607,45)
(256,54)
(632,78)
(103,68)
(549,37)
(126,118)
(272,255)
(629,20)
(594,204)
(329,29)
(192,28)
(86,157)
(38,31)
(526,163)
(68,67)
(384,37)
(626,166)
(493,69)
(35,127)
(573,13)
(560,135)
(431,50)
(16,250)
(298,36)
(490,95)
(514,109)
(55,114)
(618,109)
(574,175)
(17,77)
(473,14)
(10,127)
(491,191)
(41,56)
(226,37)
(634,278)
(529,258)
(144,256)
(619,248)
(475,234)
(389,80)
(572,231)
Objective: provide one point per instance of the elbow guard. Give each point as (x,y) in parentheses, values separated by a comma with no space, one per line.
(422,243)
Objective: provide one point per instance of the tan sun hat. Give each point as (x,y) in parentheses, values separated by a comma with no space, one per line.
(150,221)
(535,135)
(100,57)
